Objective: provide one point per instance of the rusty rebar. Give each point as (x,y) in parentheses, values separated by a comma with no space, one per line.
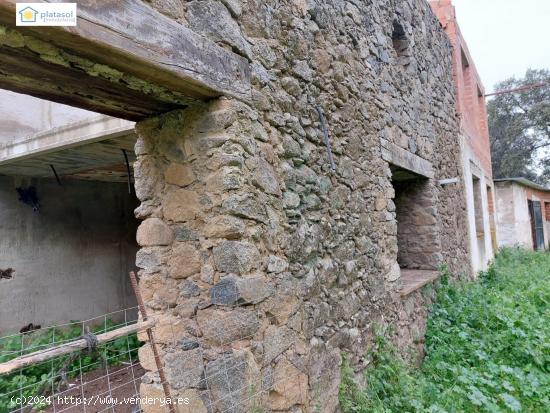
(151,339)
(128,171)
(518,89)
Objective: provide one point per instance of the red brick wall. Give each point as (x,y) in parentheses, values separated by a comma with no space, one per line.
(470,91)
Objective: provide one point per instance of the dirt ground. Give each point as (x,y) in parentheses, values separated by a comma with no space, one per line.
(97,390)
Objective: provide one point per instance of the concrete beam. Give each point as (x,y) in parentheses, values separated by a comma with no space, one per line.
(65,137)
(123,59)
(89,150)
(404,159)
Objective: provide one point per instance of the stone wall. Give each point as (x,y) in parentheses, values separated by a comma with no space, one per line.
(418,240)
(263,263)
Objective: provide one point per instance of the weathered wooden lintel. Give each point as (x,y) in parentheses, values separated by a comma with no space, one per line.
(165,65)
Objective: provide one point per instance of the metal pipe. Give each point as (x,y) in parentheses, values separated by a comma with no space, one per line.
(518,89)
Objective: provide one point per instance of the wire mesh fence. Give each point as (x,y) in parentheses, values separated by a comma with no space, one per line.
(57,384)
(219,372)
(220,360)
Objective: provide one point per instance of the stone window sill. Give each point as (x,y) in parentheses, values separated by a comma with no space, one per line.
(413,280)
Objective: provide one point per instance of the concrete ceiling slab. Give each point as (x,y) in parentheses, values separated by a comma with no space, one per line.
(89,150)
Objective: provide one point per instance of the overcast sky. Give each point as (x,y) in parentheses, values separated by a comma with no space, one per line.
(505,37)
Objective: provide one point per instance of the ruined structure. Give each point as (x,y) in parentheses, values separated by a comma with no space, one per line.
(252,245)
(289,212)
(474,142)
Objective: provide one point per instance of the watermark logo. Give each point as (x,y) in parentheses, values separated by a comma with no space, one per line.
(28,15)
(45,14)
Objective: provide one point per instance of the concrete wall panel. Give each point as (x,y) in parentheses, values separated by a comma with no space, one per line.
(24,115)
(71,258)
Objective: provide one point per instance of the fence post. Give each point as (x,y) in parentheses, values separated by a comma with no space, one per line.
(151,339)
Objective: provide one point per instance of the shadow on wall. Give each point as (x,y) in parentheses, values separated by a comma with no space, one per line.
(70,259)
(417,235)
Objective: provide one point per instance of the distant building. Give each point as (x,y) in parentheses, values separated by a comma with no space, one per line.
(523,213)
(475,146)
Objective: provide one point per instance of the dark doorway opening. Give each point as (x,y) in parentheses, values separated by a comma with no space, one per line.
(479,223)
(492,219)
(66,212)
(537,225)
(417,238)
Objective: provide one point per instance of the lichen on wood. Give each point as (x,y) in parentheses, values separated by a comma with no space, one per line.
(50,53)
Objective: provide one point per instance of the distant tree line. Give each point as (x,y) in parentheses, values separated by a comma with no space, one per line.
(519,127)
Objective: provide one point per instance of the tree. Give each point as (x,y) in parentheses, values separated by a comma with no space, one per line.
(519,127)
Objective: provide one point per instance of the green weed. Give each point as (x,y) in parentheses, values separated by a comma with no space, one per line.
(487,348)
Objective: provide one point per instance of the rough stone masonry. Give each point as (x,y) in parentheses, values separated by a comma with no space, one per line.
(262,263)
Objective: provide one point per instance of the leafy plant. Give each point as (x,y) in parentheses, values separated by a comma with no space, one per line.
(487,348)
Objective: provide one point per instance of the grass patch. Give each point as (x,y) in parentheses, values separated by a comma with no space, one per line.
(487,348)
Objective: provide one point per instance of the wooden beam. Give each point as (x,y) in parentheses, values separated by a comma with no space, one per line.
(22,71)
(68,348)
(161,61)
